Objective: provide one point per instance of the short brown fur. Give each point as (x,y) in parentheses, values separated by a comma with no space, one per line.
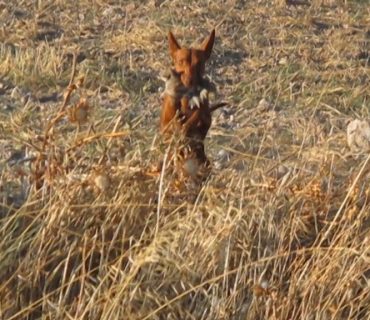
(190,65)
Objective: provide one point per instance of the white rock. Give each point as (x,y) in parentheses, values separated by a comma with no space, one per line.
(16,93)
(358,135)
(223,155)
(264,105)
(217,165)
(283,61)
(108,12)
(102,181)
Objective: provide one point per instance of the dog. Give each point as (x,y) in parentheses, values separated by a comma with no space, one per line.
(177,90)
(189,68)
(193,104)
(186,108)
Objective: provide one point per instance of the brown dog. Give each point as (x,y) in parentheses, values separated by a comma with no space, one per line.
(191,103)
(190,66)
(186,107)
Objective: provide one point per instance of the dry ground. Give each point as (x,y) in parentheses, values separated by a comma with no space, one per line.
(280,230)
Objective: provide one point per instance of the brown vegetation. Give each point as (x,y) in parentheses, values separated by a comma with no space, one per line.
(280,230)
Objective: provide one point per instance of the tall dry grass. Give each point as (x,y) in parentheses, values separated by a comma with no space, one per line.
(280,230)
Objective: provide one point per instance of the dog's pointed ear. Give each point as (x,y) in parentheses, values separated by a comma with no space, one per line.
(173,44)
(207,44)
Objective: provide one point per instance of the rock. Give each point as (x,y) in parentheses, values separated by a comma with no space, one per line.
(102,182)
(16,93)
(281,171)
(223,155)
(283,61)
(8,107)
(217,165)
(15,157)
(358,135)
(108,12)
(222,158)
(264,105)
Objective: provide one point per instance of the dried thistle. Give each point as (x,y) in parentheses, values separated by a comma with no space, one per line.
(314,191)
(80,82)
(79,113)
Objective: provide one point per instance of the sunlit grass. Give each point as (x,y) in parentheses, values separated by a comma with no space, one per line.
(280,228)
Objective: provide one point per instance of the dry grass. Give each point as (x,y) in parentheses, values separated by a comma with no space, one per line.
(280,230)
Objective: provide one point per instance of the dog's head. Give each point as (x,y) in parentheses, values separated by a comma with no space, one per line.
(190,63)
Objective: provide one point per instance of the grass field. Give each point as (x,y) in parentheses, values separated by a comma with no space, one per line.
(280,230)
